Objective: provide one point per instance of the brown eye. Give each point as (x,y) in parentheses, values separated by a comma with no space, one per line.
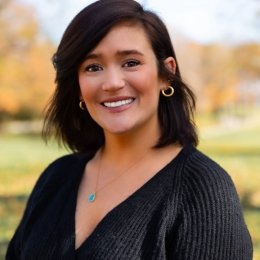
(93,68)
(131,63)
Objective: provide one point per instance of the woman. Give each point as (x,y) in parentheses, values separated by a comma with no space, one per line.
(135,187)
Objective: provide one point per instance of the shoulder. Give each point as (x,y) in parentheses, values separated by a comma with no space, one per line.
(61,167)
(205,181)
(210,218)
(59,173)
(56,178)
(200,167)
(66,162)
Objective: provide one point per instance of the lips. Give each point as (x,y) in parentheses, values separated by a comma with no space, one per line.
(117,103)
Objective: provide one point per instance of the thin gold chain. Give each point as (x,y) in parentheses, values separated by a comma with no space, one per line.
(92,196)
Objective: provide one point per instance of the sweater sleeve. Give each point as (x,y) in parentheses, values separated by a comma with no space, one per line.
(212,225)
(48,178)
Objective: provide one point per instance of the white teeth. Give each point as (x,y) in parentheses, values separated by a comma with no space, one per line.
(118,103)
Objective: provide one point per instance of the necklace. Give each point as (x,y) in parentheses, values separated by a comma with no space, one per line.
(92,196)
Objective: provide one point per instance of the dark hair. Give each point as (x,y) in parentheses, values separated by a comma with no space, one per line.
(75,127)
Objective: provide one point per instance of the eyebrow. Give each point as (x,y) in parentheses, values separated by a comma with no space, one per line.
(129,52)
(118,53)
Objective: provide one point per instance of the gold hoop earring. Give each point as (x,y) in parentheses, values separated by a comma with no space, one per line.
(168,92)
(82,105)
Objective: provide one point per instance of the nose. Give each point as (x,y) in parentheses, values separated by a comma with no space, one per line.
(113,80)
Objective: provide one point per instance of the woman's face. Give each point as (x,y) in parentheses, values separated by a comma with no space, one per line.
(119,81)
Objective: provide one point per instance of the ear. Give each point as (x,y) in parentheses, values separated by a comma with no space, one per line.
(170,64)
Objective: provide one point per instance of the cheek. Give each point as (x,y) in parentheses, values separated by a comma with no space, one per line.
(150,84)
(146,80)
(86,89)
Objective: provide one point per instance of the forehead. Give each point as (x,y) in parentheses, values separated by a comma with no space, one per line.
(125,35)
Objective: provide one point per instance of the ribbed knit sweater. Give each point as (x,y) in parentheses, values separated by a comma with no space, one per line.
(188,211)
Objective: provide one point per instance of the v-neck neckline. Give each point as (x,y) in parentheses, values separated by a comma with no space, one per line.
(159,173)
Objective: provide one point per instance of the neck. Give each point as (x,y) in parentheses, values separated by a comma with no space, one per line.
(129,145)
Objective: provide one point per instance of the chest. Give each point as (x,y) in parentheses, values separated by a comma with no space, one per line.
(109,199)
(136,226)
(139,221)
(127,232)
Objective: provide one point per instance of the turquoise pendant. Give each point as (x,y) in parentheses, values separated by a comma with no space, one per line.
(91,197)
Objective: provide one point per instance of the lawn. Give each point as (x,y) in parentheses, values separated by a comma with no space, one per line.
(23,158)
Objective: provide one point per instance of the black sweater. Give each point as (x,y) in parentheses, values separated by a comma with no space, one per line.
(188,211)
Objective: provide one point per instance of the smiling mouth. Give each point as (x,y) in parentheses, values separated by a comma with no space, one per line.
(118,103)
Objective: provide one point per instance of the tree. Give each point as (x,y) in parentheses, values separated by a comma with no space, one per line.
(26,74)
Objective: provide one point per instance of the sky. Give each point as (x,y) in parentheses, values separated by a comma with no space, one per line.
(203,21)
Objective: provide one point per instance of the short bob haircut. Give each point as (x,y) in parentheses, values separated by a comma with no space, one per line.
(75,127)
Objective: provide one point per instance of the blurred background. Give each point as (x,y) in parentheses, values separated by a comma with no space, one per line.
(218,48)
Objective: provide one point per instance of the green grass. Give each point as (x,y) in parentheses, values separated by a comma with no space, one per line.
(23,158)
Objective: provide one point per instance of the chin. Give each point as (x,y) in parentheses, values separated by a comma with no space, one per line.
(119,130)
